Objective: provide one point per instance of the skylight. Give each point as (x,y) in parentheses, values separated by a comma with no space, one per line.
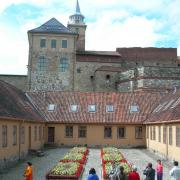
(51,107)
(134,108)
(74,108)
(109,108)
(91,108)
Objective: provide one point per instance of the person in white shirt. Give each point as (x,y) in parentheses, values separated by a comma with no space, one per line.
(175,172)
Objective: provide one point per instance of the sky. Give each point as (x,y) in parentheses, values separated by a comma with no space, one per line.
(110,24)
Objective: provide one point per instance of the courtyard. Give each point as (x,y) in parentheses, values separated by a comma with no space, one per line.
(41,165)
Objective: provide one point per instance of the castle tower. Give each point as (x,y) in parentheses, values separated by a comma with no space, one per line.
(76,24)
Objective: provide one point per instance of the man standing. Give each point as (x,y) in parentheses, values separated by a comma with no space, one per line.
(149,172)
(175,172)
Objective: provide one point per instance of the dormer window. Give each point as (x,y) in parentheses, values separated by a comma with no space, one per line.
(74,108)
(134,109)
(109,108)
(51,107)
(91,108)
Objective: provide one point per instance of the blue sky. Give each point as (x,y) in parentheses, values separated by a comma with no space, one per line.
(110,24)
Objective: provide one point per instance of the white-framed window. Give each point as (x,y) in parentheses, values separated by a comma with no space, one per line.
(63,64)
(51,107)
(109,108)
(73,108)
(92,108)
(134,108)
(42,65)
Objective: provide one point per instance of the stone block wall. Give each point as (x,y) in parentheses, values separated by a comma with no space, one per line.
(19,81)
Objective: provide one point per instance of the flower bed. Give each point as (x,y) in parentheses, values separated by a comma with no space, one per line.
(71,166)
(113,156)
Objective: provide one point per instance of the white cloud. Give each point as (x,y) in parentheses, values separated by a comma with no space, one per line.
(107,34)
(13,55)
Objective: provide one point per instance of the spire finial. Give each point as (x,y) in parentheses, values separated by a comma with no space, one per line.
(77,7)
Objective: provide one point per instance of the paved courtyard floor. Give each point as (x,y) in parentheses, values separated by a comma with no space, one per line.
(41,165)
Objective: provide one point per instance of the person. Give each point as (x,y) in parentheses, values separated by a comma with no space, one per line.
(28,173)
(134,175)
(92,175)
(113,172)
(149,172)
(159,170)
(121,175)
(175,172)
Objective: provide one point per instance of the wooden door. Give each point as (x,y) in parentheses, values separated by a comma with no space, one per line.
(51,134)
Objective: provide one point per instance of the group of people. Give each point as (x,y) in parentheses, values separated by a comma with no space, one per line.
(117,173)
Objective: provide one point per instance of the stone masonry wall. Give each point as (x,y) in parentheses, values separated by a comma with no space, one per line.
(19,81)
(52,78)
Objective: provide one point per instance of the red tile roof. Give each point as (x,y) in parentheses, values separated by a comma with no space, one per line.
(121,102)
(15,105)
(167,110)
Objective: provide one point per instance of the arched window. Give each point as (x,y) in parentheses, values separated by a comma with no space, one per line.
(63,64)
(42,66)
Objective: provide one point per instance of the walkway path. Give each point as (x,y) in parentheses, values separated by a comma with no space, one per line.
(139,157)
(94,160)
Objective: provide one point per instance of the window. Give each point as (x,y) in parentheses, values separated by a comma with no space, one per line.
(107,132)
(154,133)
(35,133)
(138,132)
(134,108)
(78,70)
(40,133)
(4,136)
(63,64)
(73,108)
(164,135)
(109,108)
(42,64)
(22,135)
(151,136)
(53,43)
(170,135)
(147,132)
(82,131)
(159,132)
(64,43)
(121,133)
(43,43)
(51,107)
(14,135)
(92,78)
(69,132)
(178,136)
(91,108)
(108,77)
(44,133)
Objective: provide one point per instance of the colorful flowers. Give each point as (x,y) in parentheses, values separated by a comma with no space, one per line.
(71,166)
(113,157)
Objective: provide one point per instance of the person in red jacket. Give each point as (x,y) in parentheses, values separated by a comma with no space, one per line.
(134,174)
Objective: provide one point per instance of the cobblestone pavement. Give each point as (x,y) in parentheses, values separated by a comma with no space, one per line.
(42,165)
(93,161)
(142,157)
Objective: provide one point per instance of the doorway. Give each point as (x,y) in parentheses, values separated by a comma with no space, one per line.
(51,131)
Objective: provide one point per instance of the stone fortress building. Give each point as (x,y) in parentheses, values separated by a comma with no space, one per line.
(58,60)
